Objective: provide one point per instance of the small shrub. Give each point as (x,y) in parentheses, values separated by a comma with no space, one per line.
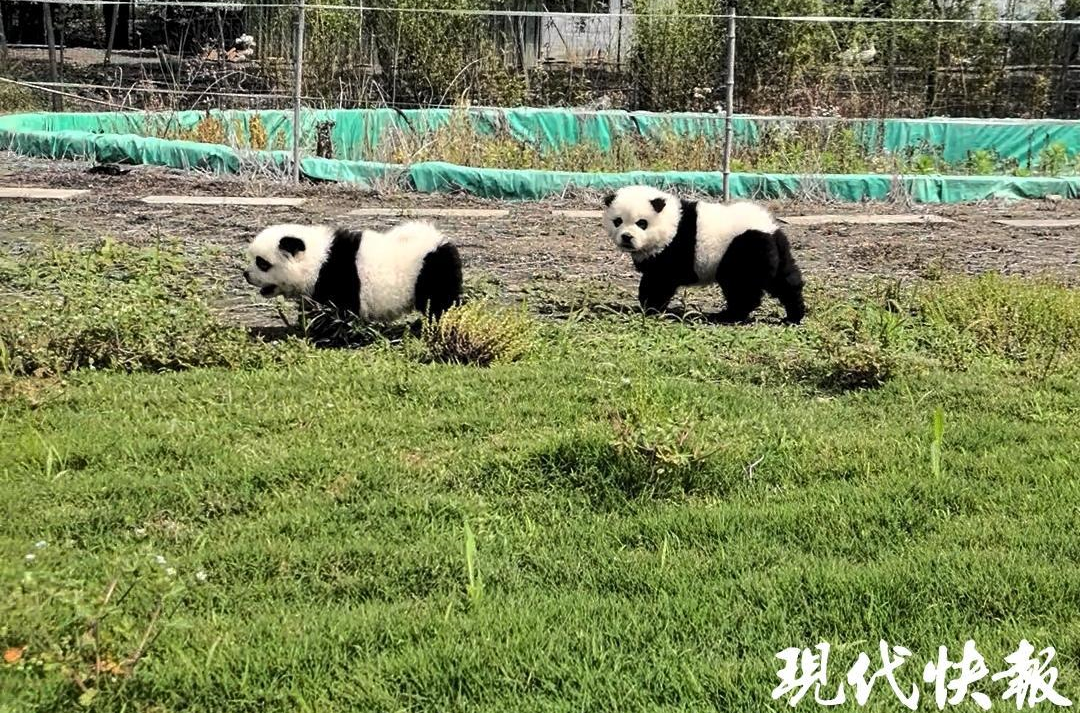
(112,307)
(845,365)
(983,162)
(328,327)
(855,347)
(924,164)
(1054,159)
(475,333)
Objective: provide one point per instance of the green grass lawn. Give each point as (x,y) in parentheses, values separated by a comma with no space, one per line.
(639,514)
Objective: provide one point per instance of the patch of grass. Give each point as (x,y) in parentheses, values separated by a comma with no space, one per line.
(477,333)
(112,307)
(83,645)
(1031,323)
(855,346)
(1031,326)
(626,519)
(659,450)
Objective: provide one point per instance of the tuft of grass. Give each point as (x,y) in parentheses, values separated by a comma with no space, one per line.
(15,99)
(854,346)
(113,307)
(477,333)
(657,453)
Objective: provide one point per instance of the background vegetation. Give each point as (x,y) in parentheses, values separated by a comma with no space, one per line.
(661,60)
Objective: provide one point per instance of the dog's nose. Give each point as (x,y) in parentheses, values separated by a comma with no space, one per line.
(246,274)
(627,239)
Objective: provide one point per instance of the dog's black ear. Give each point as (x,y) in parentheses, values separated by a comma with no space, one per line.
(291,245)
(609,199)
(658,204)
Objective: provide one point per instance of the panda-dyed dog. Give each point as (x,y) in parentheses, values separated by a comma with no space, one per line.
(375,276)
(675,242)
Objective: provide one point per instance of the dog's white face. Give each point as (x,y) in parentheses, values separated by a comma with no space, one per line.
(641,220)
(285,259)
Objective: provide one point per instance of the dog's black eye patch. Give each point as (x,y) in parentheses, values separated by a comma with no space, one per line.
(643,224)
(263,264)
(616,222)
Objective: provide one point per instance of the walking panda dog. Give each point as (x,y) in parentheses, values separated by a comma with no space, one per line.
(676,242)
(376,276)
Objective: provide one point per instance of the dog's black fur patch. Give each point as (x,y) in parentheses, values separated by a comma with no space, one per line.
(438,286)
(753,264)
(756,263)
(291,245)
(338,284)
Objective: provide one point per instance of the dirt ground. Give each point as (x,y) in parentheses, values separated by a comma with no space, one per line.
(529,248)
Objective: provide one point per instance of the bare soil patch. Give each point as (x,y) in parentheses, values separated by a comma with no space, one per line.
(527,250)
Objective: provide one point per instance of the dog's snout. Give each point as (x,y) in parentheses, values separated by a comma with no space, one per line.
(627,239)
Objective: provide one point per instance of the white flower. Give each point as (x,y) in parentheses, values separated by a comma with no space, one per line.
(200,575)
(140,532)
(40,543)
(170,571)
(160,559)
(30,557)
(625,381)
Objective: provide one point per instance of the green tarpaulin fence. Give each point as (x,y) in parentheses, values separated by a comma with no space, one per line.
(131,138)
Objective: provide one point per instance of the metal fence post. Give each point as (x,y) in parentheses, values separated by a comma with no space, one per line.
(728,105)
(298,82)
(50,40)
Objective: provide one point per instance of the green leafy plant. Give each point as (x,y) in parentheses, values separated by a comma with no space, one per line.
(1054,159)
(937,434)
(659,452)
(86,638)
(856,347)
(982,162)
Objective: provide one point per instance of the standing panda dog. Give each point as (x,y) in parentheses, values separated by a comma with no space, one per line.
(676,242)
(376,276)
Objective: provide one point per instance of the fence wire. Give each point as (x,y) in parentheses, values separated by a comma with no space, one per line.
(921,58)
(198,55)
